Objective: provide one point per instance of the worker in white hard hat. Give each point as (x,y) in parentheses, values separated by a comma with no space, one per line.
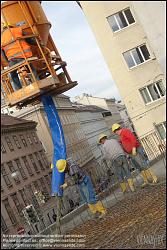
(132,147)
(113,151)
(84,183)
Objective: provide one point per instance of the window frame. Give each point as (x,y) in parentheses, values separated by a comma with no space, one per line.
(29,139)
(23,140)
(6,176)
(33,163)
(16,178)
(130,51)
(148,92)
(164,127)
(21,169)
(9,143)
(3,149)
(37,155)
(114,15)
(9,211)
(34,137)
(17,203)
(29,170)
(17,143)
(4,226)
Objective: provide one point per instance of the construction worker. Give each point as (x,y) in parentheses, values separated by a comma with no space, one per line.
(132,146)
(84,183)
(113,151)
(15,51)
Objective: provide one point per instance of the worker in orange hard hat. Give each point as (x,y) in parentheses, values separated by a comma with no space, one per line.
(15,51)
(132,146)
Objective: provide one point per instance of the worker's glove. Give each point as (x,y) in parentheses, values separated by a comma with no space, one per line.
(134,151)
(64,185)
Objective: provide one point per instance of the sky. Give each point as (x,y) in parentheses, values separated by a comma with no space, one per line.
(77,46)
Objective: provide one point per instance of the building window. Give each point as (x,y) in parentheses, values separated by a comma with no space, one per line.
(162,130)
(29,139)
(14,172)
(36,185)
(106,114)
(23,196)
(9,211)
(23,140)
(153,92)
(136,56)
(5,176)
(44,189)
(3,225)
(9,143)
(3,150)
(16,141)
(121,20)
(42,153)
(33,163)
(35,137)
(27,165)
(48,181)
(20,168)
(39,161)
(17,204)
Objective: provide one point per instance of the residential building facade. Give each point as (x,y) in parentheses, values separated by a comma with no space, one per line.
(131,36)
(112,116)
(93,124)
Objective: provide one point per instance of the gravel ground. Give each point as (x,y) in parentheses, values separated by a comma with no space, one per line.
(137,222)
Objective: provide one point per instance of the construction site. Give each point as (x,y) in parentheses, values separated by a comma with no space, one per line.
(134,218)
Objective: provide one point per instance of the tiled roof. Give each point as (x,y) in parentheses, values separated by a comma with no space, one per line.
(7,120)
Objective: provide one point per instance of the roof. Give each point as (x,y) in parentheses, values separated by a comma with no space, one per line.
(82,107)
(7,120)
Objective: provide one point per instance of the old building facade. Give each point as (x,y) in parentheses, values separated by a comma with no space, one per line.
(24,170)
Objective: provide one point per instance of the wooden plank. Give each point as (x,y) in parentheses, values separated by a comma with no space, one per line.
(32,94)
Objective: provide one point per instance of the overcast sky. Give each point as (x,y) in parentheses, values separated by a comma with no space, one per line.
(77,46)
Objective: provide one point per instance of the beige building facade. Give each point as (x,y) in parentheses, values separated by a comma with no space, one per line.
(131,36)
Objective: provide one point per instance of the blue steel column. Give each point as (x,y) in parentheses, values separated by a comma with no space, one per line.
(58,143)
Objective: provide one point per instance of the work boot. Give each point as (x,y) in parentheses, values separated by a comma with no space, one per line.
(131,185)
(149,173)
(144,175)
(100,208)
(96,216)
(123,186)
(102,215)
(92,208)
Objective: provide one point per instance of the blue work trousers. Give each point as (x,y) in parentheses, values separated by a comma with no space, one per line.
(121,167)
(87,191)
(140,161)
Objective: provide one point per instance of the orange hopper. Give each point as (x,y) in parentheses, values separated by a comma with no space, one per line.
(51,69)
